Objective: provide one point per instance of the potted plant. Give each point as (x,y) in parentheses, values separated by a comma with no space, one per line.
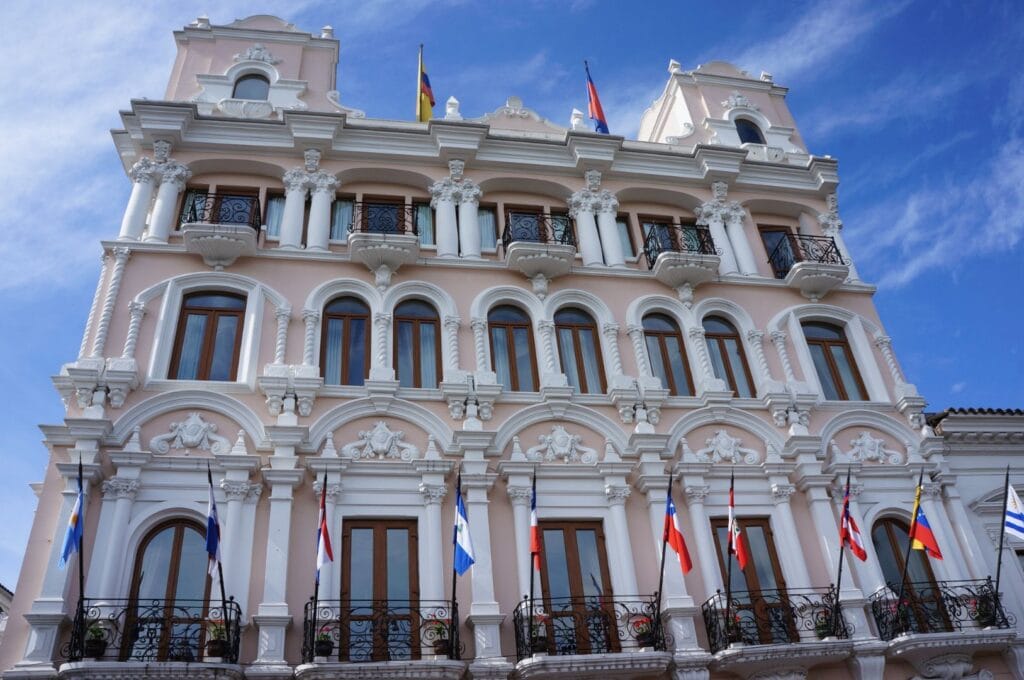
(216,643)
(95,641)
(823,627)
(642,626)
(437,632)
(323,645)
(983,611)
(539,634)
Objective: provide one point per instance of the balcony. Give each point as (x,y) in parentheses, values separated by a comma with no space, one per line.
(681,256)
(220,227)
(383,237)
(415,638)
(176,634)
(540,245)
(811,264)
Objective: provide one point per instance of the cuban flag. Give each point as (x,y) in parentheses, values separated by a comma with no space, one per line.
(212,527)
(73,534)
(921,536)
(534,526)
(461,539)
(594,109)
(1014,520)
(324,553)
(736,546)
(849,533)
(673,536)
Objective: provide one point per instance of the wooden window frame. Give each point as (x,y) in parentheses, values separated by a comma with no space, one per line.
(898,548)
(720,339)
(212,314)
(673,389)
(346,330)
(417,364)
(508,327)
(794,245)
(833,370)
(577,348)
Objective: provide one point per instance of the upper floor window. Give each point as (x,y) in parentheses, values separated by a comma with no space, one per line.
(749,132)
(417,344)
(780,246)
(625,237)
(344,359)
(833,362)
(209,337)
(927,612)
(423,216)
(275,211)
(251,86)
(341,218)
(727,357)
(667,354)
(579,350)
(488,221)
(512,353)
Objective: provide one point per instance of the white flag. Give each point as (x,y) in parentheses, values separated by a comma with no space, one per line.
(1014,519)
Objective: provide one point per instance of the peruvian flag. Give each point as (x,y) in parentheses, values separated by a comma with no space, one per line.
(849,533)
(534,527)
(324,554)
(673,536)
(736,546)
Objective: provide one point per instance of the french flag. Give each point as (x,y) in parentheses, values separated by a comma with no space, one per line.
(534,526)
(324,553)
(849,533)
(594,104)
(736,546)
(673,536)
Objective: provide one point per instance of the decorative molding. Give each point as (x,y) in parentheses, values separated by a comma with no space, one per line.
(520,495)
(560,445)
(696,493)
(738,101)
(782,492)
(258,52)
(191,433)
(616,494)
(865,449)
(725,448)
(236,490)
(119,487)
(433,494)
(380,442)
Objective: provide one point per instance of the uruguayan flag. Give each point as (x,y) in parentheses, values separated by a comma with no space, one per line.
(463,542)
(1014,514)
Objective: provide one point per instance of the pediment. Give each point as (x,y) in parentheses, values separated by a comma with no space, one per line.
(513,116)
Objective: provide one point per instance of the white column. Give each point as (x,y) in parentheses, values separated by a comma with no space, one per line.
(706,558)
(610,331)
(96,297)
(123,491)
(446,230)
(643,362)
(869,572)
(451,345)
(134,221)
(432,587)
(319,234)
(794,563)
(609,230)
(283,316)
(673,584)
(479,327)
(832,225)
(778,339)
(235,491)
(173,177)
(381,368)
(624,577)
(826,527)
(586,231)
(273,614)
(756,339)
(713,219)
(734,218)
(964,530)
(295,182)
(99,343)
(469,220)
(550,373)
(699,343)
(310,318)
(953,563)
(330,583)
(884,345)
(136,311)
(484,615)
(520,497)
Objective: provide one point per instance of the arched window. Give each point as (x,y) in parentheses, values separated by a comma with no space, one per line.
(417,344)
(927,613)
(512,355)
(667,354)
(727,358)
(170,594)
(344,355)
(209,337)
(833,361)
(749,132)
(580,350)
(251,86)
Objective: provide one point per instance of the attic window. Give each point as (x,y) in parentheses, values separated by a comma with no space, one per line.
(749,132)
(252,86)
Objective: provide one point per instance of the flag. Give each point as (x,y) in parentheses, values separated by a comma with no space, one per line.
(673,536)
(424,95)
(736,546)
(921,536)
(212,528)
(1014,520)
(594,109)
(534,527)
(73,534)
(849,533)
(461,539)
(324,553)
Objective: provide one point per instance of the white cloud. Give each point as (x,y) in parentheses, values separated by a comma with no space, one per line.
(957,388)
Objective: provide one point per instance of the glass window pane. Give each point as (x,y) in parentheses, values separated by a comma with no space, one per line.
(416,308)
(347,305)
(743,386)
(425,224)
(341,220)
(714,324)
(839,356)
(567,353)
(828,386)
(590,563)
(660,322)
(571,315)
(356,350)
(332,352)
(398,564)
(191,347)
(739,581)
(224,348)
(556,564)
(251,87)
(677,361)
(361,565)
(657,360)
(758,545)
(508,313)
(886,557)
(214,301)
(488,229)
(192,566)
(717,360)
(591,366)
(627,243)
(428,355)
(823,331)
(404,350)
(155,564)
(275,210)
(524,359)
(500,356)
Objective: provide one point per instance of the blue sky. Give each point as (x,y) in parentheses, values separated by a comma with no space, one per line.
(920,101)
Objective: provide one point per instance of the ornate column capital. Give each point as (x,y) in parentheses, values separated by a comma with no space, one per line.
(382,320)
(696,493)
(142,171)
(931,490)
(441,190)
(617,494)
(452,323)
(755,336)
(323,182)
(137,308)
(633,329)
(469,191)
(839,490)
(120,487)
(296,179)
(284,312)
(610,330)
(175,174)
(520,495)
(777,337)
(478,324)
(333,490)
(310,316)
(235,490)
(697,333)
(545,326)
(433,494)
(782,492)
(881,341)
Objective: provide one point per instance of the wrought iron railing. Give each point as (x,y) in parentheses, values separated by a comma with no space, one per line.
(588,625)
(155,630)
(537,227)
(232,209)
(938,607)
(380,630)
(793,248)
(761,617)
(383,218)
(676,238)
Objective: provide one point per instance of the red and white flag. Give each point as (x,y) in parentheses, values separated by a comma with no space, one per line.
(534,527)
(849,533)
(324,554)
(673,536)
(736,546)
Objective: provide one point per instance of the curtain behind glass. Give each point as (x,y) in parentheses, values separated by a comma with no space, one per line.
(425,224)
(428,355)
(191,347)
(332,352)
(627,243)
(405,357)
(275,210)
(488,229)
(341,219)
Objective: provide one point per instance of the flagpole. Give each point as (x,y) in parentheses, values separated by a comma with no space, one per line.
(728,558)
(455,544)
(1002,532)
(910,540)
(843,528)
(220,566)
(533,569)
(419,83)
(316,581)
(664,543)
(81,562)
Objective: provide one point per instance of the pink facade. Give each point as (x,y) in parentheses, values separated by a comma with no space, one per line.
(300,292)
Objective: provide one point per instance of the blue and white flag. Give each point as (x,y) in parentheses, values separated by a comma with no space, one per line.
(73,534)
(212,528)
(462,541)
(1014,519)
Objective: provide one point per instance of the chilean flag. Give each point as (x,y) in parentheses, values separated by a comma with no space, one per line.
(849,533)
(921,536)
(534,527)
(736,546)
(673,536)
(594,109)
(324,553)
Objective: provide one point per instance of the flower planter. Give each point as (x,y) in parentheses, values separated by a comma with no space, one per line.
(442,647)
(95,648)
(645,639)
(323,648)
(216,648)
(539,645)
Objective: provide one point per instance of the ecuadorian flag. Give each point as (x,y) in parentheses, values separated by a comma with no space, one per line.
(424,95)
(921,536)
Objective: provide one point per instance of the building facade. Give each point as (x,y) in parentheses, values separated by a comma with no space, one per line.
(313,303)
